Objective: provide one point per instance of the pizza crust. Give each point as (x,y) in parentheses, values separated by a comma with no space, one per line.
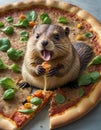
(7,124)
(88,102)
(73,113)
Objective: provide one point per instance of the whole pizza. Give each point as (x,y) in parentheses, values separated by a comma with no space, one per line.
(50,53)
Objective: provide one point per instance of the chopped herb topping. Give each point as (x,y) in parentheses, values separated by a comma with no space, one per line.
(8,30)
(81,92)
(62,20)
(45,18)
(96,60)
(15,68)
(88,78)
(7,83)
(9,19)
(9,94)
(26,111)
(36,101)
(59,98)
(88,34)
(4,44)
(24,35)
(14,54)
(23,23)
(1,24)
(2,65)
(31,16)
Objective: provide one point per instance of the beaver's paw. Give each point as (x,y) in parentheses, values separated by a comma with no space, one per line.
(52,72)
(40,70)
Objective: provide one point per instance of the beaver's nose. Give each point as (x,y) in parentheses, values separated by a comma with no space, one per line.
(44,43)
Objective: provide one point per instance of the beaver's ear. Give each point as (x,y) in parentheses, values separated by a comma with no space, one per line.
(67,31)
(34,28)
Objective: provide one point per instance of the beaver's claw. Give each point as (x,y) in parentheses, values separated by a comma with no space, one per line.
(52,72)
(40,70)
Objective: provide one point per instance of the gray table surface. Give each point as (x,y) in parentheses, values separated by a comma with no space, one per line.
(92,121)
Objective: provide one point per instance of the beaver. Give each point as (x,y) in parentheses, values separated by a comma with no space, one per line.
(51,43)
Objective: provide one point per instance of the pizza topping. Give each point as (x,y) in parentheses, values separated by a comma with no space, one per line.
(88,34)
(88,78)
(96,60)
(24,35)
(7,83)
(14,54)
(9,19)
(8,30)
(29,98)
(31,23)
(23,23)
(9,94)
(1,24)
(62,20)
(36,101)
(79,37)
(45,18)
(31,15)
(79,25)
(26,111)
(59,98)
(27,105)
(2,65)
(46,66)
(4,44)
(81,92)
(15,68)
(22,16)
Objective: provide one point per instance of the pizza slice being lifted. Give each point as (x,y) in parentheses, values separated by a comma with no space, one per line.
(33,104)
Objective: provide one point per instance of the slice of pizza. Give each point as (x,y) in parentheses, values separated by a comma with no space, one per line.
(68,105)
(33,104)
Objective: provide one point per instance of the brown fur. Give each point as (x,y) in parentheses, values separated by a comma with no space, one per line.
(62,53)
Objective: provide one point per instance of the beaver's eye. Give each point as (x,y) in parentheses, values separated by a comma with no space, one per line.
(56,36)
(37,36)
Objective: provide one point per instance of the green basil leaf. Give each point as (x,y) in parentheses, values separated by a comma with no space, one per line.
(26,111)
(2,65)
(14,54)
(88,34)
(9,19)
(24,35)
(95,76)
(23,38)
(62,20)
(8,30)
(15,68)
(1,24)
(84,79)
(4,44)
(96,60)
(45,18)
(36,101)
(22,23)
(59,98)
(31,15)
(9,94)
(7,83)
(81,92)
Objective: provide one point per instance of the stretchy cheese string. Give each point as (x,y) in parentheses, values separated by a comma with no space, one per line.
(47,67)
(45,82)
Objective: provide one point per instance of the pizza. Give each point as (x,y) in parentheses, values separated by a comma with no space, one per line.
(32,105)
(67,103)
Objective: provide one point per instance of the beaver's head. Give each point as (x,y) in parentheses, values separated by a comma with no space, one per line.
(49,41)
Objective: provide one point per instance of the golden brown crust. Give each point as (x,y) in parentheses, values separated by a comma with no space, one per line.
(87,103)
(7,124)
(75,112)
